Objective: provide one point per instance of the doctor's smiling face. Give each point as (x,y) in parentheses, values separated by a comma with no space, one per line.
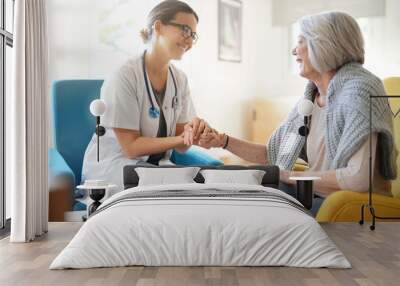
(302,58)
(178,35)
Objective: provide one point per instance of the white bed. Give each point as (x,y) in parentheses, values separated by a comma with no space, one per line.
(258,226)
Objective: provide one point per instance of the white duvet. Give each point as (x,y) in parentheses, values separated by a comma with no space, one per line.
(183,231)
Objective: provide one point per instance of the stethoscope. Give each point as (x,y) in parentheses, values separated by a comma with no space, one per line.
(154,112)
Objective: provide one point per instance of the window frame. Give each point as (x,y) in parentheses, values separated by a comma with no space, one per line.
(6,39)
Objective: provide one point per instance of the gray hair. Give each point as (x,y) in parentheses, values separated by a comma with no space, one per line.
(333,39)
(165,12)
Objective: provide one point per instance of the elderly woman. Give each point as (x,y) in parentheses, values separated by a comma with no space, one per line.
(330,54)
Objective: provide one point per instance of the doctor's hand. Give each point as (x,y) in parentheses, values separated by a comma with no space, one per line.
(194,130)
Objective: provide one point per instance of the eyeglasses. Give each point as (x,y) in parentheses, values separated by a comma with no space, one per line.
(186,31)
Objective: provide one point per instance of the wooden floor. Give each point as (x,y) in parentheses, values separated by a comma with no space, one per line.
(375,257)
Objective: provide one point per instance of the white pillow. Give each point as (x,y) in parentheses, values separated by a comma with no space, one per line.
(248,177)
(166,176)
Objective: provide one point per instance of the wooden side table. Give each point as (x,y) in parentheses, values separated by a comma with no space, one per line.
(60,197)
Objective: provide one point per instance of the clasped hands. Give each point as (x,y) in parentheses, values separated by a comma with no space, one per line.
(198,132)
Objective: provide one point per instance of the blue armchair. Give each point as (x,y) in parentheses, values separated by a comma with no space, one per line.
(73,126)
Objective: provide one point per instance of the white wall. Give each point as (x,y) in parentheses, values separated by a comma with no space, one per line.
(383,48)
(82,34)
(220,90)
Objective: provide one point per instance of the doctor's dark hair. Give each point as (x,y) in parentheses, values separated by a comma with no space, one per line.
(165,12)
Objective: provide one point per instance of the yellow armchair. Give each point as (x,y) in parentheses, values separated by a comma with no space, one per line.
(345,206)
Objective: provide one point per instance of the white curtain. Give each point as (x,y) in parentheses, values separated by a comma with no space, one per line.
(28,120)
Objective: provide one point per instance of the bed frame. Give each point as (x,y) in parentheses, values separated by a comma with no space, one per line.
(270,179)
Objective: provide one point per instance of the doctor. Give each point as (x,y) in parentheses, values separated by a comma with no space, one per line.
(149,109)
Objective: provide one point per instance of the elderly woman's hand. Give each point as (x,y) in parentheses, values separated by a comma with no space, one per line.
(284,176)
(212,140)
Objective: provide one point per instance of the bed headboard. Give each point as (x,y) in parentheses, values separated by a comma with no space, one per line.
(270,179)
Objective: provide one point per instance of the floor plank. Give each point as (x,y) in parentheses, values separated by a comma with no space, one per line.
(374,255)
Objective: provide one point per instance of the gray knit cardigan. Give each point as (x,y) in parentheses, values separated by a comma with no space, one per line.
(347,122)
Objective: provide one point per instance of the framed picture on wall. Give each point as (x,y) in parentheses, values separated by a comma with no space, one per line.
(230,30)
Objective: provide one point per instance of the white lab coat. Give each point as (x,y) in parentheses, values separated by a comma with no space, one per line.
(128,106)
